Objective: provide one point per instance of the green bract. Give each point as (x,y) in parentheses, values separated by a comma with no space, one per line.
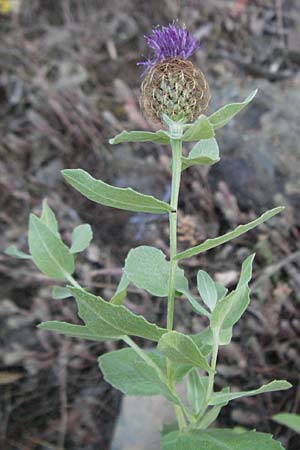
(174,355)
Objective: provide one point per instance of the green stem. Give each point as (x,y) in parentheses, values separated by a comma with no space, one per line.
(73,281)
(176,175)
(213,364)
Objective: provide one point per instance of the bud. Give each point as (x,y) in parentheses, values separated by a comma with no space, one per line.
(172,85)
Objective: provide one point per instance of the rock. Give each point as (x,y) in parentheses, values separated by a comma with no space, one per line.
(260,148)
(140,422)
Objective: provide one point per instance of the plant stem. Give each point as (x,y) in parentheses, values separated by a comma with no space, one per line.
(176,175)
(73,281)
(213,364)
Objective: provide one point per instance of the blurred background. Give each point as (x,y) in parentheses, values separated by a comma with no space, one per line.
(68,82)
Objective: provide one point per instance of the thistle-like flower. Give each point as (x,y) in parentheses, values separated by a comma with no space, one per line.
(172,85)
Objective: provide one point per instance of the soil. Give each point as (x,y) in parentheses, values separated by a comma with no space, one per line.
(64,91)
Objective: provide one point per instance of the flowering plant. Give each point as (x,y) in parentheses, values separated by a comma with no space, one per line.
(175,93)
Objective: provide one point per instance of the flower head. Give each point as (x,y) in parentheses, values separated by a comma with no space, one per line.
(172,85)
(169,42)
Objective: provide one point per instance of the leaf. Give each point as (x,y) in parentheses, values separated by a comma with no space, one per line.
(219,439)
(200,129)
(147,268)
(121,291)
(182,350)
(113,320)
(241,229)
(59,292)
(49,253)
(160,137)
(78,331)
(49,218)
(104,194)
(196,390)
(229,310)
(205,153)
(207,289)
(16,253)
(81,238)
(127,371)
(212,415)
(221,117)
(204,339)
(221,290)
(277,385)
(289,420)
(183,287)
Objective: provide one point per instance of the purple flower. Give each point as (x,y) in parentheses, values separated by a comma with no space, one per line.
(169,42)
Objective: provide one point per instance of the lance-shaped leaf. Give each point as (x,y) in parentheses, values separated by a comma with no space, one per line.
(60,292)
(78,331)
(122,198)
(81,238)
(200,129)
(207,289)
(147,268)
(182,286)
(12,250)
(121,291)
(48,252)
(111,320)
(212,415)
(127,371)
(221,117)
(160,137)
(229,309)
(49,218)
(277,385)
(204,153)
(218,439)
(241,229)
(182,350)
(204,339)
(290,420)
(196,390)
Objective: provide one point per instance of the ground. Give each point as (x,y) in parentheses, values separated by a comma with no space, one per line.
(68,82)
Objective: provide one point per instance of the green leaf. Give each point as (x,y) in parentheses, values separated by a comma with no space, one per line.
(49,253)
(219,398)
(183,287)
(201,129)
(204,153)
(60,292)
(147,268)
(16,253)
(49,218)
(127,371)
(229,309)
(121,291)
(221,290)
(219,439)
(160,137)
(289,420)
(81,238)
(212,415)
(182,350)
(241,229)
(207,289)
(104,194)
(221,117)
(113,320)
(204,339)
(196,390)
(78,331)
